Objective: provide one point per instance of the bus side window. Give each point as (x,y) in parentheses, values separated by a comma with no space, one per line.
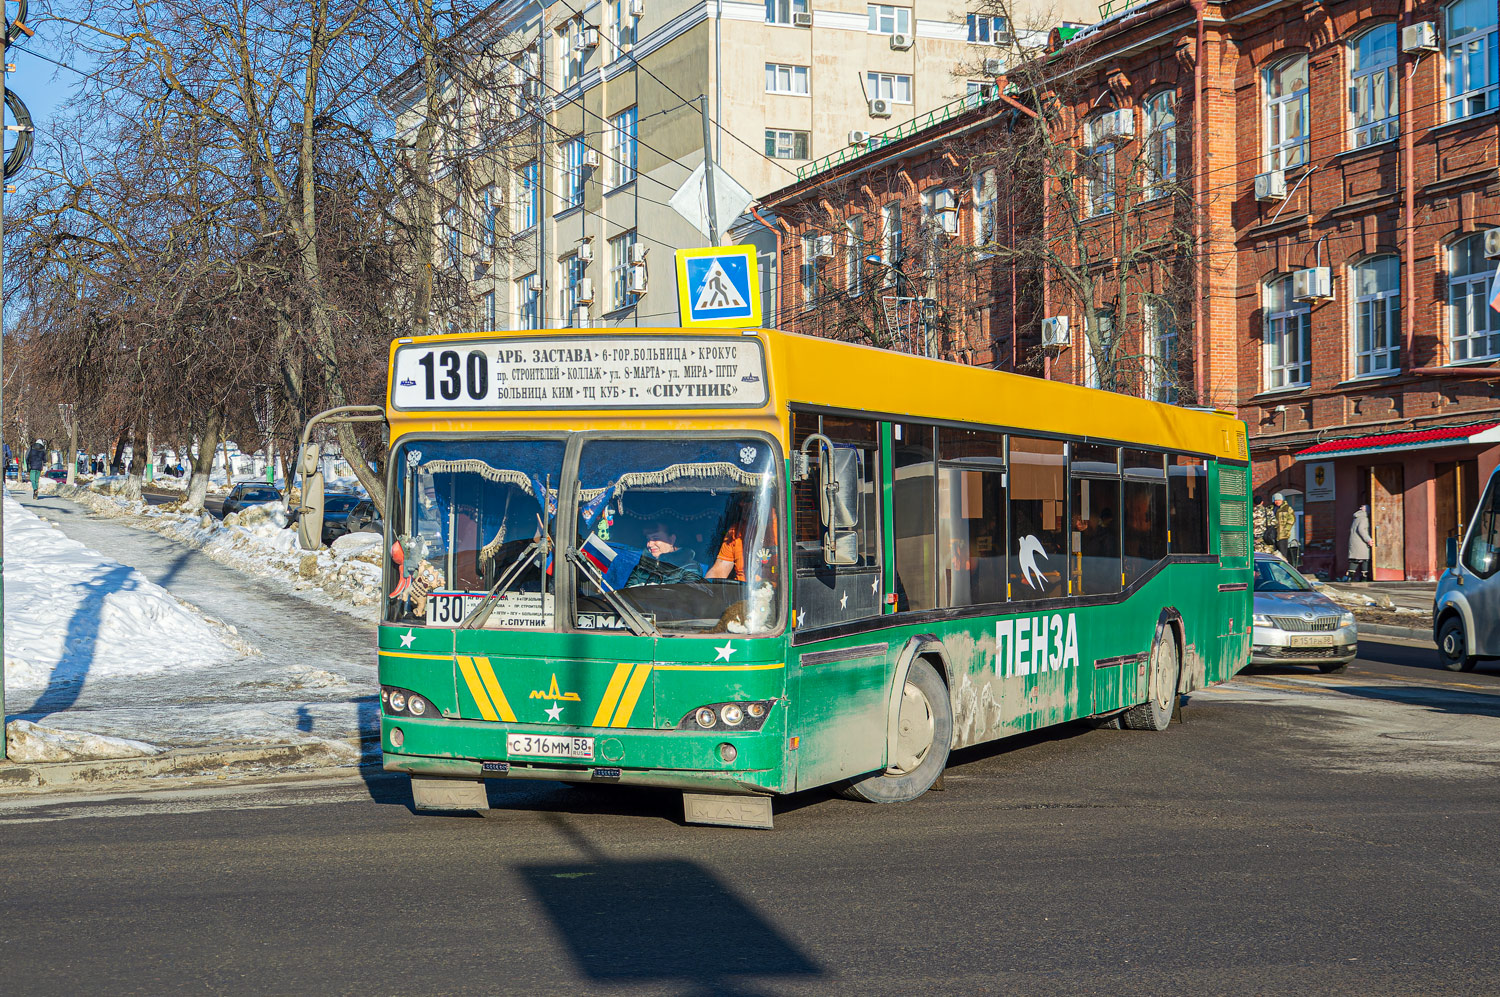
(1144,526)
(1187,489)
(1482,554)
(912,516)
(827,594)
(1038,476)
(971,517)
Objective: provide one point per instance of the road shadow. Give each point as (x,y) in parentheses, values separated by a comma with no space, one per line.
(80,644)
(1424,656)
(1445,701)
(663,921)
(367,723)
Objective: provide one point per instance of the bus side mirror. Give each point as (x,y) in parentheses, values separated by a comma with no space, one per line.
(841,469)
(310,511)
(1451,555)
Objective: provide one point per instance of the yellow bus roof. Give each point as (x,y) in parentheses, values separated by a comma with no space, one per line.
(811,371)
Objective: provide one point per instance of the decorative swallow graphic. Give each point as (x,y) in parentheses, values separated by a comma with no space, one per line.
(1031,547)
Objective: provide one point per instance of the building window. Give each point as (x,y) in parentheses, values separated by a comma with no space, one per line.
(487,309)
(1377,314)
(1286,113)
(570,173)
(1161,143)
(525,203)
(940,211)
(890,86)
(1473,74)
(570,274)
(490,223)
(986,200)
(620,295)
(624,25)
(890,240)
(786,79)
(886,20)
(622,147)
(453,235)
(783,144)
(1098,344)
(1288,343)
(1372,86)
(1161,331)
(1098,169)
(812,267)
(854,256)
(528,302)
(986,29)
(781,11)
(1473,326)
(570,58)
(977,92)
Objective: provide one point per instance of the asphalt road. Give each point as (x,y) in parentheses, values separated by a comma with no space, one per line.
(1298,833)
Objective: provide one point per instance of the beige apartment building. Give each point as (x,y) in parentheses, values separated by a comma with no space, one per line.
(575,224)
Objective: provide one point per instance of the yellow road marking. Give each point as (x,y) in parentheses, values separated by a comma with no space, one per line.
(466,665)
(487,673)
(612,694)
(632,693)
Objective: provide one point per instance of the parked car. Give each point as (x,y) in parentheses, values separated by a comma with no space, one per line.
(248,493)
(345,512)
(56,473)
(1466,605)
(1294,624)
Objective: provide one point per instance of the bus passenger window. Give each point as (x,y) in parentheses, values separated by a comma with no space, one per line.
(1187,492)
(1482,554)
(827,594)
(1038,518)
(1095,560)
(1144,528)
(971,517)
(912,516)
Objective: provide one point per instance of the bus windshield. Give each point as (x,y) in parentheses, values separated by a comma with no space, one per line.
(473,524)
(677,536)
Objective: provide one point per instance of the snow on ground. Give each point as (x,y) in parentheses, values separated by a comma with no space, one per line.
(257,542)
(72,614)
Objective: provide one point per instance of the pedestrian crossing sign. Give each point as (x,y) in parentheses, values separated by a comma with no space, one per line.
(718,287)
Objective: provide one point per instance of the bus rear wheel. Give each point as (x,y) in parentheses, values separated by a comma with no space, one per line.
(1156,712)
(924,737)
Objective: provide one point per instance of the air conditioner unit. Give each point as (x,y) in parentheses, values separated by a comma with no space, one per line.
(637,8)
(1492,243)
(1312,284)
(901,41)
(638,254)
(586,250)
(1055,330)
(591,158)
(802,20)
(1120,123)
(994,67)
(880,108)
(1419,37)
(823,246)
(635,279)
(1003,37)
(486,253)
(534,283)
(1271,186)
(585,290)
(859,138)
(587,38)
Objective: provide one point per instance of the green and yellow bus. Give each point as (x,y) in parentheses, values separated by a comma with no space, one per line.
(750,563)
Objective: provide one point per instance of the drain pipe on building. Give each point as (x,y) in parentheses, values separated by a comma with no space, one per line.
(1200,196)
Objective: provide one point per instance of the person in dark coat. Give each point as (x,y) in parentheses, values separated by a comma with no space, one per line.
(1360,544)
(36,463)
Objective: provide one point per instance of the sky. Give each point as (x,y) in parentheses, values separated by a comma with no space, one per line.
(41,84)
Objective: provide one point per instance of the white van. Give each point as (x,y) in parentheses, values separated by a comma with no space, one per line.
(1466,609)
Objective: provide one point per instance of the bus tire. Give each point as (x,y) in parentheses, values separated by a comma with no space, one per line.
(1156,712)
(923,740)
(1453,645)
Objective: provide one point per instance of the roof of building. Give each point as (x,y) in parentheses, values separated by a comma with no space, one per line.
(1416,439)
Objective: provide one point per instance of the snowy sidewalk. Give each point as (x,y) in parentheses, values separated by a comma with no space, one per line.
(107,662)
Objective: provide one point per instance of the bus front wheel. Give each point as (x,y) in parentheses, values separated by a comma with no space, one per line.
(1156,712)
(924,736)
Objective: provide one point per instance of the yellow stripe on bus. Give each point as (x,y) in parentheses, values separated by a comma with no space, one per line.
(632,693)
(421,657)
(471,677)
(611,694)
(493,685)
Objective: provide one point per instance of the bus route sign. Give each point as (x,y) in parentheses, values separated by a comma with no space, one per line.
(718,287)
(592,372)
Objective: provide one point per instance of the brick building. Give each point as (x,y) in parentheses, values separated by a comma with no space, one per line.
(1339,164)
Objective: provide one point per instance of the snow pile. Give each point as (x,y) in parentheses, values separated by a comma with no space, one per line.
(29,742)
(72,614)
(257,541)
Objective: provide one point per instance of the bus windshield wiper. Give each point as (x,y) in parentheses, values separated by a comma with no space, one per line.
(638,624)
(480,613)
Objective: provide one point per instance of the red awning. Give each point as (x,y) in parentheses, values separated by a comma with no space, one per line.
(1414,439)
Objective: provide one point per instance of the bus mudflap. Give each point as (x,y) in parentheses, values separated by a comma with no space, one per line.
(436,793)
(727,811)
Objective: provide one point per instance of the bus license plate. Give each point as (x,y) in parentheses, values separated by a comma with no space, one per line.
(549,746)
(1311,640)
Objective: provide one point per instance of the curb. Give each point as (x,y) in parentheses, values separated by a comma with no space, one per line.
(1382,630)
(184,764)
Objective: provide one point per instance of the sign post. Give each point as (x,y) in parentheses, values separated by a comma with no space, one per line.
(718,288)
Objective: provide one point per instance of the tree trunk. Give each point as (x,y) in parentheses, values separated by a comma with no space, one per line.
(137,461)
(203,461)
(119,455)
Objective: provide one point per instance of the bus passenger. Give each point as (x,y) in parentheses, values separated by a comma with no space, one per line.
(664,562)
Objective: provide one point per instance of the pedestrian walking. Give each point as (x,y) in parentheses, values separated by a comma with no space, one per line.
(36,463)
(1286,526)
(1264,521)
(1361,544)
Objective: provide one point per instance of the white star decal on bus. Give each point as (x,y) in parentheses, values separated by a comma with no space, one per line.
(1030,548)
(843,600)
(554,712)
(407,638)
(875,585)
(725,651)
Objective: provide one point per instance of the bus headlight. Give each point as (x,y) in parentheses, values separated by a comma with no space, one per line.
(742,715)
(396,701)
(416,705)
(404,702)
